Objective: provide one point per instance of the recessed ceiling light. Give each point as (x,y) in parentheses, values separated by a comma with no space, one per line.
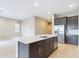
(36,4)
(48,12)
(1,9)
(70,5)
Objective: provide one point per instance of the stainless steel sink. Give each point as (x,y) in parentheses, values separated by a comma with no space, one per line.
(43,36)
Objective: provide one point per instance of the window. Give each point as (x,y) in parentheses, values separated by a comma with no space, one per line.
(17,27)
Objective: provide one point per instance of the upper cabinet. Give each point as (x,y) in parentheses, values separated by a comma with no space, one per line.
(72,30)
(60,21)
(72,22)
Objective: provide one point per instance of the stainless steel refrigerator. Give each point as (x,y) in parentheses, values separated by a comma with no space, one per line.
(60,30)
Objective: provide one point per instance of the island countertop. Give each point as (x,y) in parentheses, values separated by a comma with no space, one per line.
(32,39)
(39,46)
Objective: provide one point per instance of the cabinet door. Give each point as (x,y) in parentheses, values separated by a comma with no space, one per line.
(72,27)
(72,39)
(72,22)
(56,21)
(36,50)
(46,48)
(55,42)
(60,21)
(51,45)
(33,52)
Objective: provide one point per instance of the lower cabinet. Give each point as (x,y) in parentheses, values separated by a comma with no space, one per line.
(72,39)
(51,45)
(44,48)
(36,50)
(55,42)
(40,49)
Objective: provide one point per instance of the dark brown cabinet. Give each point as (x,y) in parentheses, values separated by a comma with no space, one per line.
(72,22)
(51,45)
(36,50)
(40,49)
(55,42)
(72,39)
(72,27)
(60,21)
(44,48)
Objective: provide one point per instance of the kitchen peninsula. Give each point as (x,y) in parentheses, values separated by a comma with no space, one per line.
(37,47)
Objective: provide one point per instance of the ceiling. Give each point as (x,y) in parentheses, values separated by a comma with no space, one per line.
(23,9)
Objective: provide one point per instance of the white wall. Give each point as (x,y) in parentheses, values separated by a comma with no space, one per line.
(78,26)
(53,24)
(28,28)
(7,28)
(34,26)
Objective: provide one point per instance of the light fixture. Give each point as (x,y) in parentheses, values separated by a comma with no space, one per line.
(36,4)
(1,9)
(48,12)
(70,5)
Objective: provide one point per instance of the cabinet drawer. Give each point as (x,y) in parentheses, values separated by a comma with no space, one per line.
(39,43)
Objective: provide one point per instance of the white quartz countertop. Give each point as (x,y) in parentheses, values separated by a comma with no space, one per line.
(30,39)
(25,39)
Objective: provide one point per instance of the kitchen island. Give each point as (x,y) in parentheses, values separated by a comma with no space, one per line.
(37,47)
